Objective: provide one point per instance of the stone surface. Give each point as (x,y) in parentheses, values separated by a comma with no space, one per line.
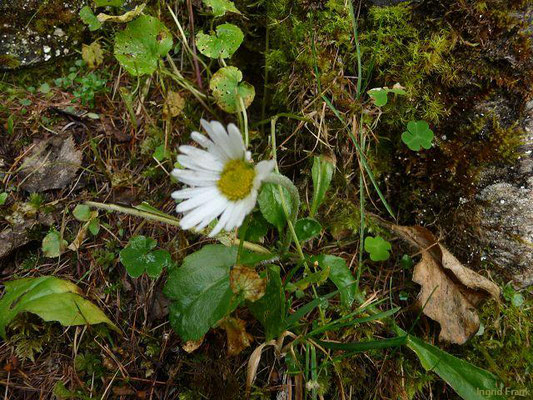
(32,31)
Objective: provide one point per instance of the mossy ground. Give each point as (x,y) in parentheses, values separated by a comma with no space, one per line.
(466,66)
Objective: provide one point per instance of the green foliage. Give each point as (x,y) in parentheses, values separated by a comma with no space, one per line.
(223,44)
(229,91)
(82,212)
(89,19)
(307,228)
(322,172)
(53,244)
(271,205)
(88,86)
(50,298)
(110,3)
(418,135)
(380,95)
(3,198)
(139,256)
(220,7)
(200,291)
(271,309)
(378,248)
(340,275)
(139,47)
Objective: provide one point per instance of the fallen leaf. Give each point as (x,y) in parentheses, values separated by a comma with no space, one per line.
(191,345)
(246,281)
(174,104)
(238,338)
(92,54)
(126,17)
(51,164)
(450,291)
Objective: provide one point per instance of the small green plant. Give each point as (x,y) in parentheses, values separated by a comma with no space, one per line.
(378,248)
(139,256)
(418,135)
(53,244)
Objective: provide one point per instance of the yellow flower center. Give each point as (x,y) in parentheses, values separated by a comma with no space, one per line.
(236,180)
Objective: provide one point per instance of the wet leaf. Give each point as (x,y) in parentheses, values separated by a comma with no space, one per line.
(237,337)
(53,244)
(449,291)
(223,44)
(418,135)
(174,104)
(307,228)
(92,54)
(228,89)
(138,257)
(322,172)
(126,17)
(88,18)
(378,248)
(340,275)
(139,47)
(50,298)
(245,282)
(271,207)
(220,7)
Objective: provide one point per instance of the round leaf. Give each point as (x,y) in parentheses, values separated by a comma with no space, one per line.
(227,40)
(82,212)
(139,46)
(228,89)
(307,228)
(378,248)
(418,135)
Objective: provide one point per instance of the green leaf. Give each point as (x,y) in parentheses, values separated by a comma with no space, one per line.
(200,291)
(228,89)
(322,172)
(139,47)
(340,275)
(307,228)
(82,212)
(269,200)
(111,3)
(53,245)
(220,7)
(50,298)
(94,226)
(271,309)
(227,40)
(357,347)
(44,88)
(378,248)
(257,228)
(161,153)
(88,18)
(418,135)
(3,198)
(138,257)
(379,95)
(469,381)
(313,278)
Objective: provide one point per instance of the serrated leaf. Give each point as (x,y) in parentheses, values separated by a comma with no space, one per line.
(139,47)
(271,207)
(228,89)
(307,228)
(88,18)
(52,299)
(322,172)
(138,257)
(340,275)
(220,7)
(378,248)
(223,44)
(53,244)
(200,291)
(418,135)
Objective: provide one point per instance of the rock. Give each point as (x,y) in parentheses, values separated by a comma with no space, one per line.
(507,212)
(32,31)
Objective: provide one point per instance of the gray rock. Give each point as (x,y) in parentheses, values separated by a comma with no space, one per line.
(32,31)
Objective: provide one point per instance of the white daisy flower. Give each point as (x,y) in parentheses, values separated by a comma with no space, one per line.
(223,181)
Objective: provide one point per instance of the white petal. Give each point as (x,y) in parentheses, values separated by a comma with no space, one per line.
(193,175)
(197,200)
(236,140)
(189,192)
(193,217)
(218,134)
(209,145)
(223,219)
(264,168)
(200,161)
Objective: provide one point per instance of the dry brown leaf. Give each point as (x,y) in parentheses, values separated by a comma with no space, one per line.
(450,292)
(238,338)
(174,104)
(126,17)
(246,281)
(192,345)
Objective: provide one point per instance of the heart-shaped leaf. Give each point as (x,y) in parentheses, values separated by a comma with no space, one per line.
(378,248)
(220,7)
(52,299)
(139,47)
(138,257)
(223,44)
(307,228)
(418,135)
(228,89)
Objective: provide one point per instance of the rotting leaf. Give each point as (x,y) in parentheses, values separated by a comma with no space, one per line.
(51,164)
(245,281)
(126,17)
(92,54)
(53,244)
(223,44)
(238,338)
(450,292)
(191,345)
(228,89)
(174,104)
